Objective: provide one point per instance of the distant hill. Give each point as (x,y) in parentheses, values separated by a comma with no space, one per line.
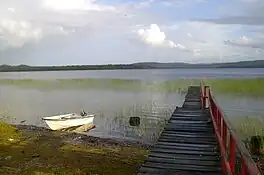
(240,64)
(142,65)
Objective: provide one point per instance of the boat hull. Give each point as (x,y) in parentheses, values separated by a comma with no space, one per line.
(57,123)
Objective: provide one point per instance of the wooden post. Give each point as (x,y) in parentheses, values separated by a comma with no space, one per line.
(257,145)
(232,159)
(204,97)
(224,134)
(243,167)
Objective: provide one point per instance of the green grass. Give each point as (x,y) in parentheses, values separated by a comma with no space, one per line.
(109,84)
(47,153)
(252,87)
(9,134)
(247,87)
(248,126)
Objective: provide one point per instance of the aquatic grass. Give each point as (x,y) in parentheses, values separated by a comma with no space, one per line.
(245,87)
(248,126)
(252,87)
(112,84)
(150,126)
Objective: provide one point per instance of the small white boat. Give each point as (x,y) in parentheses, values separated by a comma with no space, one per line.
(65,121)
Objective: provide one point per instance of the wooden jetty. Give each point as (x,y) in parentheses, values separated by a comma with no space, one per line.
(198,140)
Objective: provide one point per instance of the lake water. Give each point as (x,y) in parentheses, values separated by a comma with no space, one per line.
(145,74)
(112,107)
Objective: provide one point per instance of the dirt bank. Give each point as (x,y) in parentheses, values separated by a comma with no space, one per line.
(32,150)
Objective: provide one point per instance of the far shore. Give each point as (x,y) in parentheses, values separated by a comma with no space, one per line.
(140,65)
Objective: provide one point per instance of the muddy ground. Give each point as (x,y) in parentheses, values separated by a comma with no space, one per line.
(32,150)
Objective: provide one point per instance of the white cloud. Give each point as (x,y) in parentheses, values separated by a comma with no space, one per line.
(155,37)
(75,5)
(181,3)
(92,23)
(207,40)
(244,39)
(11,9)
(152,35)
(189,35)
(25,21)
(145,3)
(246,42)
(15,33)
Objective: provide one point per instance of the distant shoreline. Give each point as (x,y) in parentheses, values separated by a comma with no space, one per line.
(135,66)
(60,70)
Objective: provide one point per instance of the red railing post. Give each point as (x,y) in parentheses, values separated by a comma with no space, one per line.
(204,96)
(232,150)
(243,167)
(201,93)
(224,134)
(221,126)
(223,162)
(217,119)
(228,151)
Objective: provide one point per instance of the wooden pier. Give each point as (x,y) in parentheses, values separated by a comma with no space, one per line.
(192,144)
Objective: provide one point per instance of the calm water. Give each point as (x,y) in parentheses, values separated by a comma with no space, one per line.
(161,74)
(113,108)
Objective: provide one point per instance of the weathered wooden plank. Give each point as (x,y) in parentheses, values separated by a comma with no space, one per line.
(185,141)
(187,135)
(185,157)
(189,148)
(182,167)
(187,144)
(184,162)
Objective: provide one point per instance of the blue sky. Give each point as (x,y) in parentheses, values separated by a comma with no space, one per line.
(63,32)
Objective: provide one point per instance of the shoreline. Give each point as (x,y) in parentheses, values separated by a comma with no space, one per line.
(85,139)
(27,149)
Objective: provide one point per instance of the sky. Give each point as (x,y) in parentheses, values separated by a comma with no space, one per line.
(81,32)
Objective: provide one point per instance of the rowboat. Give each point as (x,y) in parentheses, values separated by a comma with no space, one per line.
(65,121)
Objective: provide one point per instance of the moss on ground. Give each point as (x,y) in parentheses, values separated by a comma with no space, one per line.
(9,134)
(47,153)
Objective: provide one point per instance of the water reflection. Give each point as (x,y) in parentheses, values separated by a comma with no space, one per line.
(112,109)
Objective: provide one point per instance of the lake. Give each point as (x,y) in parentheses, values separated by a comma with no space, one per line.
(113,107)
(144,74)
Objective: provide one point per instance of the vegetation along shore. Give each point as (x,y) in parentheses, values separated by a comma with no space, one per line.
(142,65)
(245,87)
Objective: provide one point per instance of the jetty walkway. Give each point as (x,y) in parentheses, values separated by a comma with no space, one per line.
(198,140)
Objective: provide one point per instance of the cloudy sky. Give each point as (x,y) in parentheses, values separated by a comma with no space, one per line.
(62,32)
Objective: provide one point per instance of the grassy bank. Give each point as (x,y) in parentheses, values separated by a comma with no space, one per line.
(24,150)
(251,87)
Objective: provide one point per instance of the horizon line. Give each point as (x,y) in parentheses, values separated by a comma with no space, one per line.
(128,64)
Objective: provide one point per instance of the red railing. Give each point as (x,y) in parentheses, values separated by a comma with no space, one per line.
(235,158)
